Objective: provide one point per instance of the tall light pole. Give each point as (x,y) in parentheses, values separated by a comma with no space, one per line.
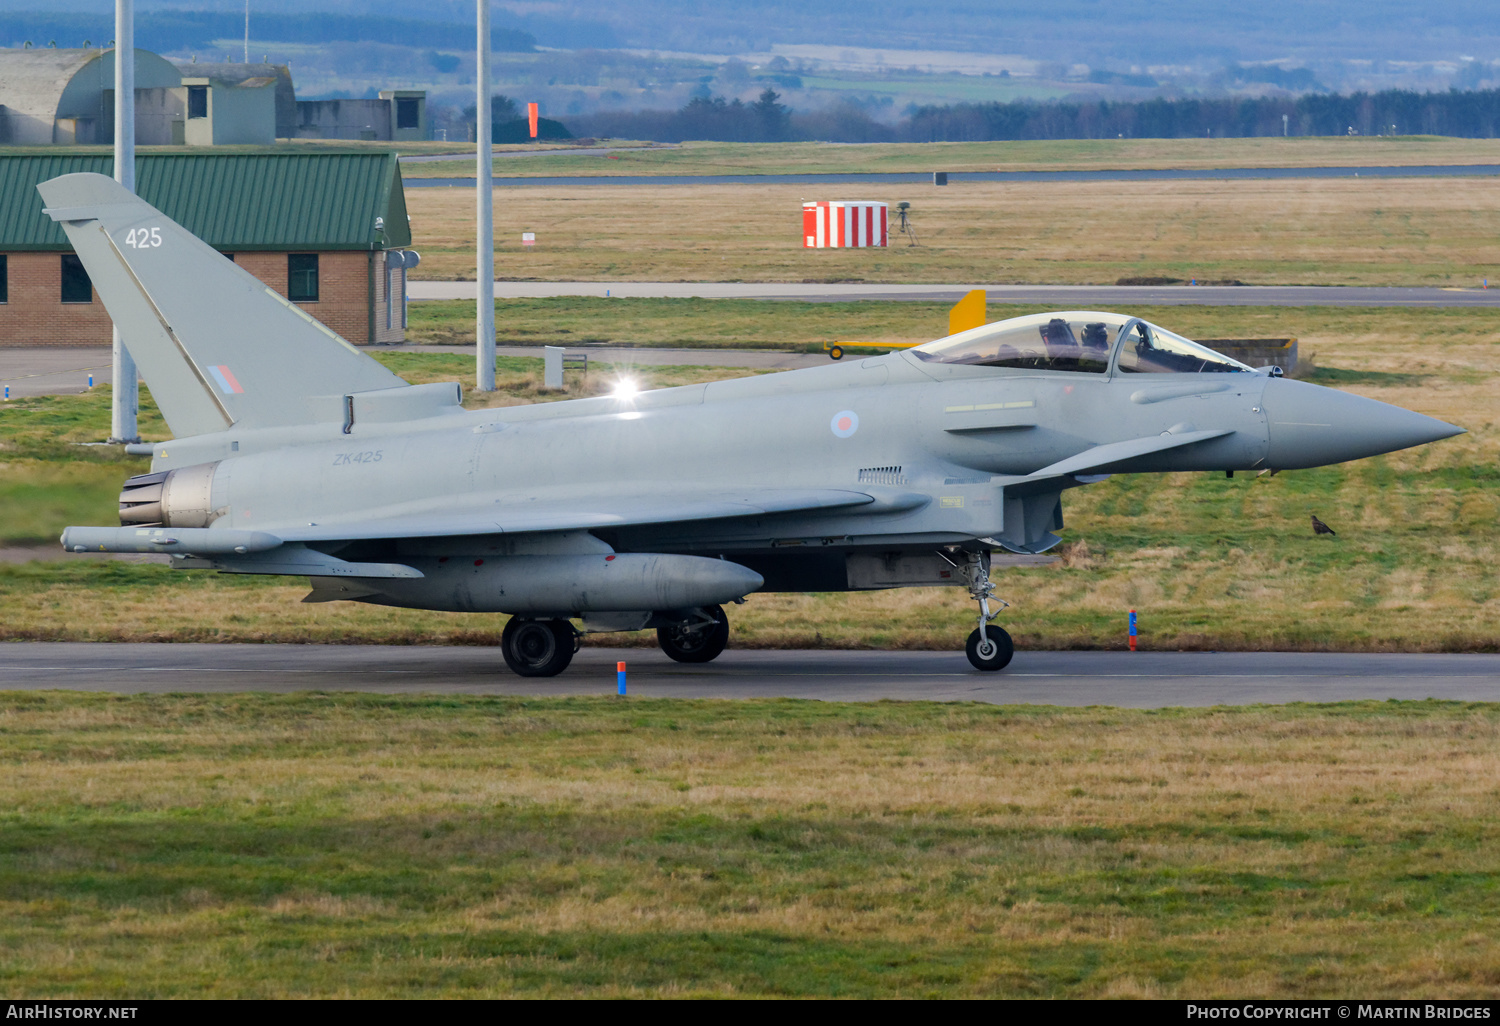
(484,270)
(125,400)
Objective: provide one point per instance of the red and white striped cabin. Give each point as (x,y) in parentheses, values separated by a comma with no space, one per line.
(836,224)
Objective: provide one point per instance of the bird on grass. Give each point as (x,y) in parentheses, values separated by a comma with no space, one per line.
(1321,528)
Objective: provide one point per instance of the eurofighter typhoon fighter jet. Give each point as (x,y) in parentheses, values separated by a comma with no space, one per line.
(297,454)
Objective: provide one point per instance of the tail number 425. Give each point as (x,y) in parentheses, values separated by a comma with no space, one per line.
(143,238)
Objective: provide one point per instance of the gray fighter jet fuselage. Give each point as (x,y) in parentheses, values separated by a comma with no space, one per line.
(654,509)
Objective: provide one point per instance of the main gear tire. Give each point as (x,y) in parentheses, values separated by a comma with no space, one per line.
(992,652)
(538,648)
(700,646)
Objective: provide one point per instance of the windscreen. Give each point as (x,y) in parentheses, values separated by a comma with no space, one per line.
(1147,349)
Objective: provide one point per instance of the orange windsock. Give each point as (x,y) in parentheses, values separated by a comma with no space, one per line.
(531,114)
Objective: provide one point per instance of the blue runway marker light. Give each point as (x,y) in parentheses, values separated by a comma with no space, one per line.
(620,677)
(91,381)
(1132,630)
(7,393)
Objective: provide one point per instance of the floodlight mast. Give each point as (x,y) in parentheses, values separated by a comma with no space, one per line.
(484,243)
(125,399)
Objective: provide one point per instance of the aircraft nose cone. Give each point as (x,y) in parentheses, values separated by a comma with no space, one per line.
(1312,426)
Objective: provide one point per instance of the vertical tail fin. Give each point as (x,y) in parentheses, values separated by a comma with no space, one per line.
(216,345)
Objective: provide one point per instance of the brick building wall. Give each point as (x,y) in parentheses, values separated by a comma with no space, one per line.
(35,315)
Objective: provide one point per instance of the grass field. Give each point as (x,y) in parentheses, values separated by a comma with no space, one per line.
(1209,563)
(1366,231)
(710,158)
(342,845)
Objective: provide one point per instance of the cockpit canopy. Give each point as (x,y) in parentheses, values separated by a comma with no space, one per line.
(1080,341)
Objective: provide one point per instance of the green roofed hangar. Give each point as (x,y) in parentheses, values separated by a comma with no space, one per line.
(327,230)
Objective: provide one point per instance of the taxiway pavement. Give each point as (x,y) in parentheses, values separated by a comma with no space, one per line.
(1063,297)
(1135,680)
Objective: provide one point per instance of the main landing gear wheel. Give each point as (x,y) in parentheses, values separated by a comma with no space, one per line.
(696,643)
(538,648)
(993,651)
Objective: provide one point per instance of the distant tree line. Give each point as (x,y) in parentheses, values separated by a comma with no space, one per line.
(1471,114)
(702,117)
(174,30)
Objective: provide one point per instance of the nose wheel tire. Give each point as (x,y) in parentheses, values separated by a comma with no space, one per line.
(537,648)
(699,646)
(992,652)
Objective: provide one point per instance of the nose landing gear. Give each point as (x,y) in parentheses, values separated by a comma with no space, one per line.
(989,647)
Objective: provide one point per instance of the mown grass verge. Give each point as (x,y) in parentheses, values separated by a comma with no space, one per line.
(713,158)
(419,846)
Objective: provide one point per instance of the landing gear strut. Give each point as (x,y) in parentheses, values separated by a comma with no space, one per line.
(538,648)
(988,647)
(699,639)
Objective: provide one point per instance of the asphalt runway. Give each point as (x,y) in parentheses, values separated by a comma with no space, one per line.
(1063,297)
(1134,680)
(1166,174)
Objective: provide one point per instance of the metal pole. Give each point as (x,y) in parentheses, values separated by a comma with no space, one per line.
(247,31)
(484,272)
(125,400)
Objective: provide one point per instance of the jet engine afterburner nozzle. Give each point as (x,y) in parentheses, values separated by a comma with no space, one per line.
(171,498)
(1312,426)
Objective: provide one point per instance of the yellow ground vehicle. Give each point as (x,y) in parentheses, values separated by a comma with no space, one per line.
(835,350)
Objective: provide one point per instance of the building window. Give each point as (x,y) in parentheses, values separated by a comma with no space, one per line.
(407,115)
(197,101)
(76,287)
(302,277)
(4,279)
